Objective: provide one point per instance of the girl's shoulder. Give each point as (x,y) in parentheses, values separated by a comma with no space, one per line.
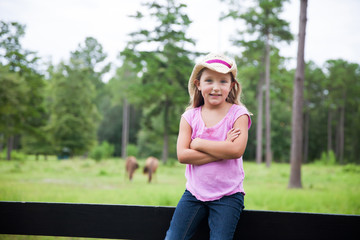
(191,110)
(239,108)
(191,114)
(238,111)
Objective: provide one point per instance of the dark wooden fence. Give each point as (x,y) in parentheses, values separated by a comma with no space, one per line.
(148,222)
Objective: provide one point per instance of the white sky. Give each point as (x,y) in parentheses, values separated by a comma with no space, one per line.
(56,27)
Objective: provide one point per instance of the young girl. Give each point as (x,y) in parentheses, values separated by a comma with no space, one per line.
(212,139)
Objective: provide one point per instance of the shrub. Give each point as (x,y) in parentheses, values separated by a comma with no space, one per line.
(351,168)
(132,150)
(15,155)
(103,151)
(327,158)
(96,154)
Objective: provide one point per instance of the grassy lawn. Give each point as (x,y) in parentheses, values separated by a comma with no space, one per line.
(326,189)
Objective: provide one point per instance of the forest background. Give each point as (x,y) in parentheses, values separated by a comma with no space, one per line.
(68,110)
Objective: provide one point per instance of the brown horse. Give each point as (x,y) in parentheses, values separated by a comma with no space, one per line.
(131,166)
(151,164)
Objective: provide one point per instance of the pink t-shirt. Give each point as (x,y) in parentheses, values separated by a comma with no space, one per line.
(214,180)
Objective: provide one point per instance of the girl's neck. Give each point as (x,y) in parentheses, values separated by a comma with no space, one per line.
(221,107)
(213,115)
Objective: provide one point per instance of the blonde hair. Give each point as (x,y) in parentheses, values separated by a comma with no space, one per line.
(197,100)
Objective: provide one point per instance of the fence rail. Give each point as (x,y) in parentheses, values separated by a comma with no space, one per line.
(151,223)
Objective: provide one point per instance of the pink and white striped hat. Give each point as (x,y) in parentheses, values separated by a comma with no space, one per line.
(213,61)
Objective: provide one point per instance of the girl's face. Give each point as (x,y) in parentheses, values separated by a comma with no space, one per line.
(214,87)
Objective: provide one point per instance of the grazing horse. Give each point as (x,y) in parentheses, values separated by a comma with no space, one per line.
(131,166)
(151,164)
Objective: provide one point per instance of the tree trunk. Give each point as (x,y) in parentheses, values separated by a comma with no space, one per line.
(342,130)
(341,135)
(10,144)
(329,131)
(165,153)
(1,143)
(337,134)
(125,130)
(259,123)
(306,137)
(267,103)
(298,102)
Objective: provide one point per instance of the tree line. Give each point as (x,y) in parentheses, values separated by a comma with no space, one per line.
(68,110)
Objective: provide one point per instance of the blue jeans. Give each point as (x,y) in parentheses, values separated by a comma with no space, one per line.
(223,216)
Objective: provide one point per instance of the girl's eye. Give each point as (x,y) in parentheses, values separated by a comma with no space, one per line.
(224,81)
(208,80)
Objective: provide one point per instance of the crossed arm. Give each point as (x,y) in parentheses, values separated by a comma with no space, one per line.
(202,151)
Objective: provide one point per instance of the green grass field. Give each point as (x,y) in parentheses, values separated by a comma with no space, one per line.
(326,189)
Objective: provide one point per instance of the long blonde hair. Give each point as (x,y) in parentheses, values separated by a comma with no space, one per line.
(197,100)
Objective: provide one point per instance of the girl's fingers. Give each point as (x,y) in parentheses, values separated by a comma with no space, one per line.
(236,131)
(233,133)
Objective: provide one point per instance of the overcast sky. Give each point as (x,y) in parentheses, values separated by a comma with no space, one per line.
(56,27)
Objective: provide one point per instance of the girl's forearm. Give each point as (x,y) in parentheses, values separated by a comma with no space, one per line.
(218,149)
(190,156)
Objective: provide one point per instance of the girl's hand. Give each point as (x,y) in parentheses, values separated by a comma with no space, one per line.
(233,134)
(194,143)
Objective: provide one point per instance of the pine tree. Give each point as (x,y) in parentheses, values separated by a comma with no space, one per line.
(165,68)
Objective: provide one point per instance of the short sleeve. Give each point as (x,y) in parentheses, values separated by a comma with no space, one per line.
(188,116)
(239,111)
